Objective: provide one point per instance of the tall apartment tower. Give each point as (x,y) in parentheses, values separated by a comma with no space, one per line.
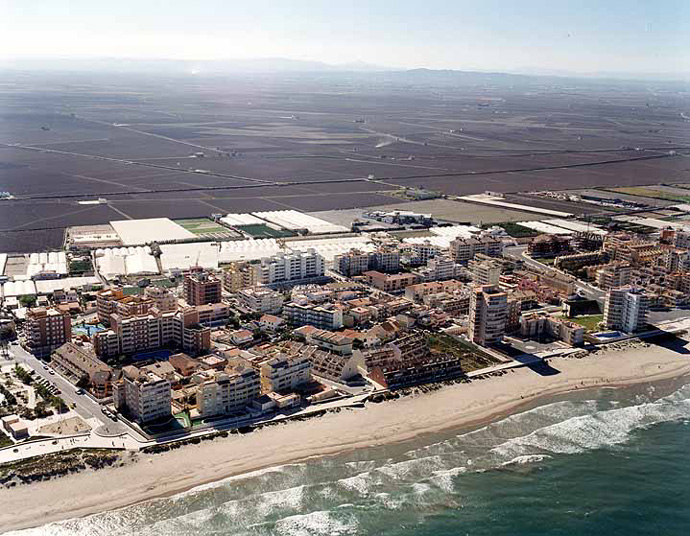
(488,314)
(626,309)
(46,330)
(201,288)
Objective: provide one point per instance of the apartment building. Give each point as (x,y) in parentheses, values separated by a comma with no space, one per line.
(328,340)
(155,330)
(200,287)
(326,316)
(293,266)
(228,391)
(464,249)
(549,246)
(115,301)
(417,292)
(676,260)
(284,373)
(163,299)
(81,366)
(488,314)
(538,325)
(484,271)
(356,262)
(390,282)
(46,329)
(142,395)
(239,275)
(424,251)
(261,299)
(626,309)
(438,268)
(614,275)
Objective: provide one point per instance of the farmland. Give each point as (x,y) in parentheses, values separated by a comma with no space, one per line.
(186,147)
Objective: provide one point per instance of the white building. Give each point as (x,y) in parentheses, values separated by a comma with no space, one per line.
(626,309)
(488,314)
(285,373)
(220,393)
(261,299)
(142,395)
(289,267)
(322,317)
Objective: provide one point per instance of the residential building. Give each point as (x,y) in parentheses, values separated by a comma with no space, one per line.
(285,373)
(326,316)
(626,309)
(464,249)
(81,366)
(488,314)
(295,266)
(142,395)
(335,367)
(45,330)
(438,268)
(200,287)
(261,299)
(417,292)
(356,262)
(549,246)
(228,391)
(614,275)
(239,275)
(538,325)
(335,342)
(271,323)
(484,271)
(390,282)
(163,298)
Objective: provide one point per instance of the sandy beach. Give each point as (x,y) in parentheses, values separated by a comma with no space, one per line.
(454,406)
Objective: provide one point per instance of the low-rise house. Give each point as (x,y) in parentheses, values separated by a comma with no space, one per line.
(336,368)
(241,337)
(271,323)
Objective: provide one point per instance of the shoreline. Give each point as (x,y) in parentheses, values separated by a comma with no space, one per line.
(453,407)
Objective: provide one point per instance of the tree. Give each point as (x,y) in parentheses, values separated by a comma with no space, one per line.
(27,301)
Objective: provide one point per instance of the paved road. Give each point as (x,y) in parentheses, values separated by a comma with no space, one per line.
(519,253)
(85,406)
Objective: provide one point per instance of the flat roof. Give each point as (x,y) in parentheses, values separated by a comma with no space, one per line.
(140,232)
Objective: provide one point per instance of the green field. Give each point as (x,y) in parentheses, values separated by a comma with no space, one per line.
(589,322)
(260,230)
(472,358)
(204,227)
(643,191)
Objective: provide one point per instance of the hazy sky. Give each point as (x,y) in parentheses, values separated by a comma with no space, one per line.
(583,36)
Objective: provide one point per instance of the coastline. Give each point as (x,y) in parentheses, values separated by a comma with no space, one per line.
(451,407)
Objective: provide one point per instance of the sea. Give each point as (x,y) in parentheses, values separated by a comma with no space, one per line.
(598,462)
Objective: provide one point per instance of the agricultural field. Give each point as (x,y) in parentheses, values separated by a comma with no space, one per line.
(207,228)
(162,147)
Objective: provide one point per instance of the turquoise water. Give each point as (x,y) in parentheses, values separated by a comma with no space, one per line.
(604,462)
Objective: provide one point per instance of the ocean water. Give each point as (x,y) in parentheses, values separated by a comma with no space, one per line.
(598,462)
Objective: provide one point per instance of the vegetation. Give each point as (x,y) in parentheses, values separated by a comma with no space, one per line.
(642,191)
(589,322)
(23,375)
(4,440)
(50,399)
(27,301)
(58,464)
(514,229)
(472,358)
(80,266)
(10,399)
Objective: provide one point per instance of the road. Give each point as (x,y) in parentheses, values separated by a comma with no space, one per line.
(84,405)
(585,289)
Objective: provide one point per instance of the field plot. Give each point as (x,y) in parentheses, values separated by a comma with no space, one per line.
(206,228)
(186,147)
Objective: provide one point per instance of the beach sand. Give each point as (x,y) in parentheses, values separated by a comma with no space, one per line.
(454,406)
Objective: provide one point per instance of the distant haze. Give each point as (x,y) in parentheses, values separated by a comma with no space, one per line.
(616,37)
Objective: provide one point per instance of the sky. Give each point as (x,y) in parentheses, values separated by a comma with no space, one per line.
(582,36)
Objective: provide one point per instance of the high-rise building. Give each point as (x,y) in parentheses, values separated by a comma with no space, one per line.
(485,271)
(614,275)
(46,329)
(228,391)
(356,262)
(163,299)
(626,309)
(488,314)
(289,267)
(261,299)
(201,287)
(285,373)
(328,317)
(142,395)
(238,275)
